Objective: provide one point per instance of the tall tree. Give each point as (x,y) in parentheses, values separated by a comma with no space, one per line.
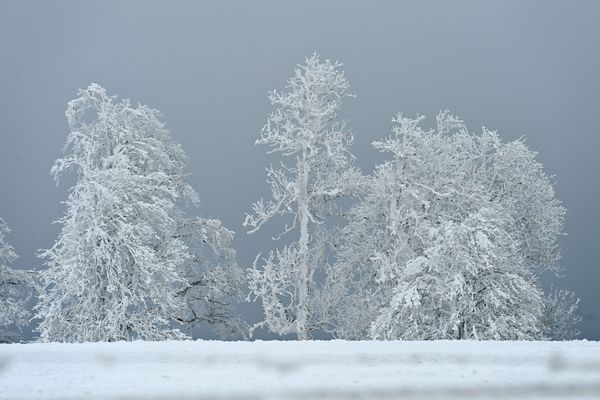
(118,268)
(305,129)
(449,238)
(16,289)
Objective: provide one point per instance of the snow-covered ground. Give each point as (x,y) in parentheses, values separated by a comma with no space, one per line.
(300,370)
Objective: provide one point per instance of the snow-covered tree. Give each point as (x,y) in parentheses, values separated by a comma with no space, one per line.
(560,317)
(118,268)
(449,237)
(470,282)
(214,281)
(16,289)
(305,129)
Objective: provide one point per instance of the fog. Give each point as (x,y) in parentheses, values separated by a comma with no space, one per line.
(522,68)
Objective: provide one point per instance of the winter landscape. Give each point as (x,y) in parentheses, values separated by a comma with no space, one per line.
(197,243)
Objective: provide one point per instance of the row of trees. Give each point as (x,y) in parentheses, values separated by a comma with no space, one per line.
(446,240)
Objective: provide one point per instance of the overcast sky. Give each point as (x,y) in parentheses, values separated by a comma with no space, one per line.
(520,67)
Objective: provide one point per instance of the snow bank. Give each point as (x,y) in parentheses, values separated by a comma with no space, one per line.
(300,370)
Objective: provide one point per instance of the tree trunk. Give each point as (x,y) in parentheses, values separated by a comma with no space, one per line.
(303,255)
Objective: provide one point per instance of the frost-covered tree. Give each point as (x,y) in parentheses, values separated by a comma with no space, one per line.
(16,289)
(470,282)
(118,268)
(560,317)
(448,239)
(306,131)
(214,281)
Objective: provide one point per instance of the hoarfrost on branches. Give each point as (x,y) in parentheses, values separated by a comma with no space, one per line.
(16,289)
(305,130)
(448,239)
(214,280)
(560,315)
(116,271)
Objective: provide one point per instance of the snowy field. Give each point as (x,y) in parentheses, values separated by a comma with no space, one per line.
(300,370)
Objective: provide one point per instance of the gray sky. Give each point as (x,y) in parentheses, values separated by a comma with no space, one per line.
(523,68)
